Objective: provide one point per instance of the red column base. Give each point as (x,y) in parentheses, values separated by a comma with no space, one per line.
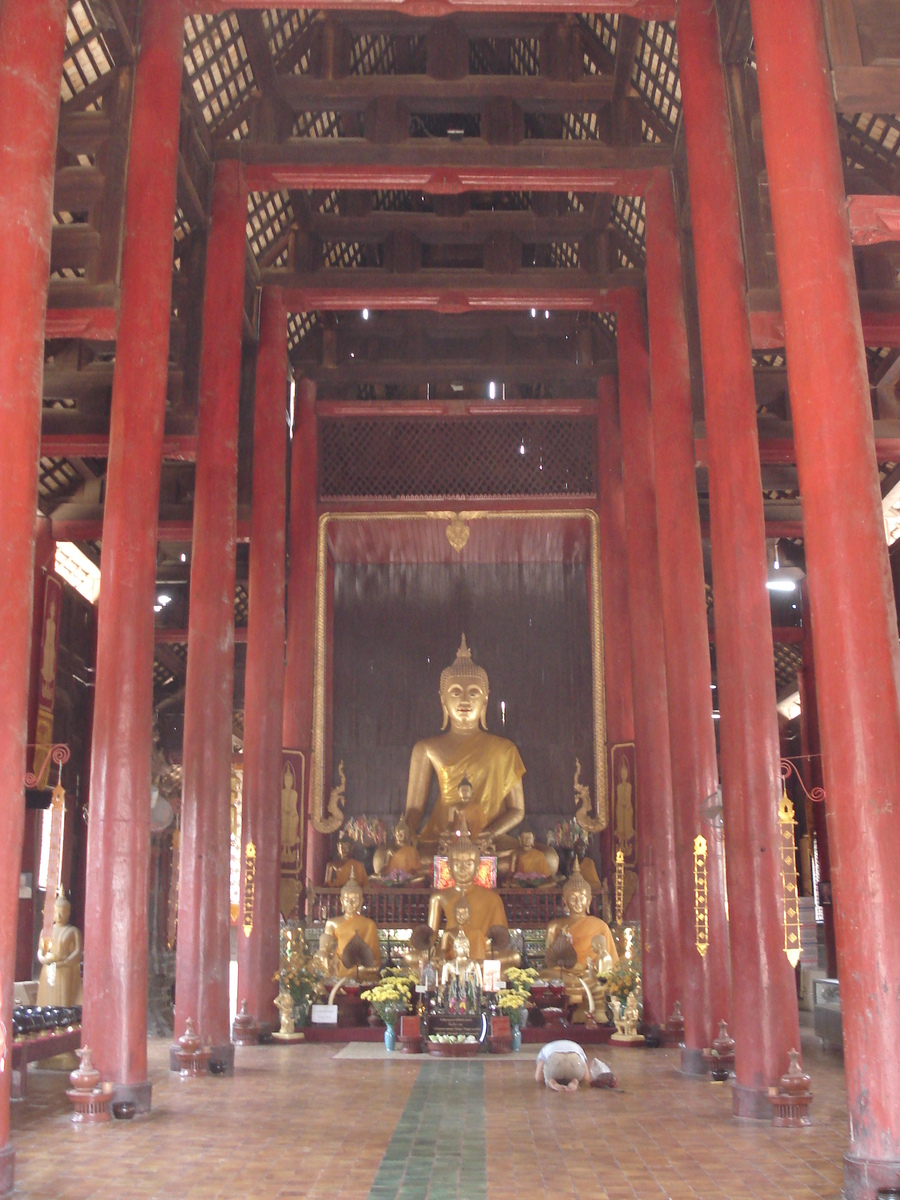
(752,1103)
(7,1170)
(864,1176)
(138,1093)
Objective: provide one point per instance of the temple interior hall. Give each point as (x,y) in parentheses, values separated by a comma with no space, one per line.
(450,682)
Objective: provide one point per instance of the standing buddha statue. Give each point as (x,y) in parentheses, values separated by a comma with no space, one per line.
(493,801)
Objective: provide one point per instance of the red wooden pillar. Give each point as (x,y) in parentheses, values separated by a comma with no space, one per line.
(118,855)
(31,54)
(854,617)
(764,1006)
(660,929)
(705,977)
(614,580)
(301,606)
(203,950)
(264,686)
(614,591)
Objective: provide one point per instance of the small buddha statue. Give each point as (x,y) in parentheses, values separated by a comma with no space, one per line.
(460,967)
(345,867)
(60,959)
(581,927)
(529,860)
(349,944)
(492,800)
(487,916)
(475,939)
(403,856)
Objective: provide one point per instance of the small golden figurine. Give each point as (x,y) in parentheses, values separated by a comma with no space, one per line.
(285,1004)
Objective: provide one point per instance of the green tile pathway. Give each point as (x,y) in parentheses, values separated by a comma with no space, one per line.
(438,1150)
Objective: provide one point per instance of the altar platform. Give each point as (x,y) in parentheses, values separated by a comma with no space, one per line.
(531,1036)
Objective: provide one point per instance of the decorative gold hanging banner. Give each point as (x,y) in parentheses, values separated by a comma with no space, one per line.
(620,886)
(249,886)
(54,857)
(788,854)
(701,896)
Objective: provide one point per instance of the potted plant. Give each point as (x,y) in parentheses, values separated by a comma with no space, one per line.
(390,997)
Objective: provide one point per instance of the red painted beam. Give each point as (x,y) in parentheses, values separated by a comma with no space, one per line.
(169,531)
(659,10)
(879,328)
(92,324)
(442,181)
(177,447)
(774,529)
(324,298)
(874,219)
(786,635)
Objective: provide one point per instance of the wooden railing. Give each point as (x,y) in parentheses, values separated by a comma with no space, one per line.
(393,907)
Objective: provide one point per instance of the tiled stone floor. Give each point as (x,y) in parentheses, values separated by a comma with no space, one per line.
(302,1122)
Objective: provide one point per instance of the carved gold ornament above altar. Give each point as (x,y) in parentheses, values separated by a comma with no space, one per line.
(457,532)
(457,527)
(788,855)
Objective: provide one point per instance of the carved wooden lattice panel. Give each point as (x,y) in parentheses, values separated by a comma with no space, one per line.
(463,457)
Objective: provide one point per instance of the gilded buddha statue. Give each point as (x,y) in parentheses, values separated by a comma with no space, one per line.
(402,856)
(479,775)
(345,867)
(487,916)
(579,925)
(60,959)
(349,944)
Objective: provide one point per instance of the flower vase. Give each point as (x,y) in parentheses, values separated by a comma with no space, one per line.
(516,1036)
(390,1037)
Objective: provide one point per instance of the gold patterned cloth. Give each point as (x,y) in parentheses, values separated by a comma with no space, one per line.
(491,764)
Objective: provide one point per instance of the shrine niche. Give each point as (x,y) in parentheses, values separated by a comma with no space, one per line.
(395,596)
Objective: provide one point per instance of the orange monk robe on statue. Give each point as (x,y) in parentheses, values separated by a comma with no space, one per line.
(492,765)
(533,862)
(583,930)
(485,909)
(406,859)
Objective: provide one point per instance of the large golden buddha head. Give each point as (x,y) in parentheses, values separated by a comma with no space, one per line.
(576,892)
(351,898)
(464,692)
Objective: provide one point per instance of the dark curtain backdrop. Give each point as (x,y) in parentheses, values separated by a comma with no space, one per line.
(397,626)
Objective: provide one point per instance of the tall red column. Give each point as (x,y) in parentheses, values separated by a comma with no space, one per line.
(660,928)
(705,977)
(854,618)
(118,853)
(264,680)
(614,590)
(614,578)
(764,1006)
(203,951)
(301,606)
(31,54)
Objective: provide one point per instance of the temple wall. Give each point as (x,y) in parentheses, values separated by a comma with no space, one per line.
(397,626)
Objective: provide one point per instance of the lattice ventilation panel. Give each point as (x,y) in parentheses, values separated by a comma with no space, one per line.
(788,661)
(476,457)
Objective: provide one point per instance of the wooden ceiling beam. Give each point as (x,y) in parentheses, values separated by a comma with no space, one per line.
(476,227)
(880,311)
(451,291)
(441,166)
(570,377)
(422,94)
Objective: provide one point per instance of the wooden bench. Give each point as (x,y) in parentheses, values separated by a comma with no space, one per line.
(35,1047)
